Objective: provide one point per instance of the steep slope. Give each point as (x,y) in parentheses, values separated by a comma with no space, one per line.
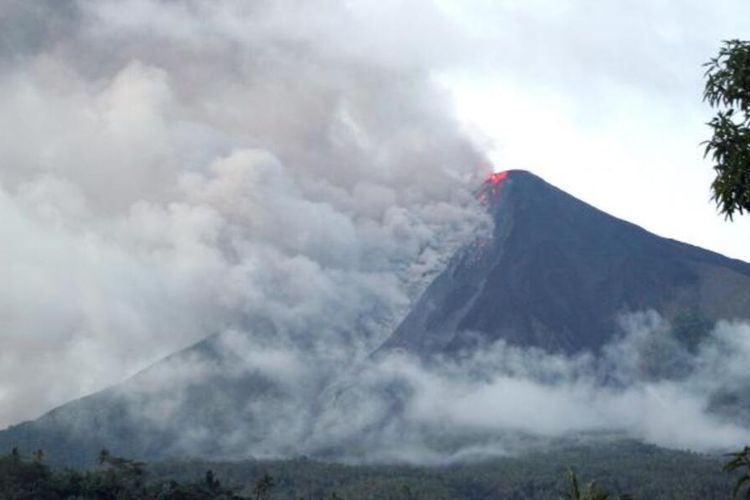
(229,396)
(556,273)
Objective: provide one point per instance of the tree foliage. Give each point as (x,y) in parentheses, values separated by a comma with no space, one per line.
(263,487)
(116,478)
(728,90)
(592,491)
(646,472)
(740,462)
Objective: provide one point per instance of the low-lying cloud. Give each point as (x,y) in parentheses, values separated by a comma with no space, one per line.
(500,398)
(278,401)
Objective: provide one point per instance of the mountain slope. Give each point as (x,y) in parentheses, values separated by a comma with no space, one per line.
(556,273)
(218,398)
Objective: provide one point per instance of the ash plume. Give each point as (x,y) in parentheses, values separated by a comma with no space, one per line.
(176,169)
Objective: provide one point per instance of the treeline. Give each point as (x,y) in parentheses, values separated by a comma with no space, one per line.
(643,472)
(623,467)
(116,478)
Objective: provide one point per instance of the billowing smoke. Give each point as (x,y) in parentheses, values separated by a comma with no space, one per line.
(176,169)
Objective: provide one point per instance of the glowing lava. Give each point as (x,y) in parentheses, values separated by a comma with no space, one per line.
(490,192)
(497,177)
(488,196)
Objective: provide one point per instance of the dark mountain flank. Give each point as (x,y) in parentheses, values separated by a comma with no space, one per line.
(557,273)
(208,400)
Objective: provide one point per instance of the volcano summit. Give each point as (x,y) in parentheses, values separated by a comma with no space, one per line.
(557,273)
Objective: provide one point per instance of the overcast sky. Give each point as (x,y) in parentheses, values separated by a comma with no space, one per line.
(603,99)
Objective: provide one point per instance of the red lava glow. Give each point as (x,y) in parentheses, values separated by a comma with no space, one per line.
(497,177)
(488,196)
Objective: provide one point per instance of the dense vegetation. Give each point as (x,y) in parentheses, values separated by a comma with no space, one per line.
(728,89)
(645,472)
(116,478)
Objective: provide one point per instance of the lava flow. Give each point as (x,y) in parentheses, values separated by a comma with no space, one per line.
(488,196)
(497,177)
(491,189)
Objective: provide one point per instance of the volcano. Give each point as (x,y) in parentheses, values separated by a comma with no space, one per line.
(553,273)
(556,273)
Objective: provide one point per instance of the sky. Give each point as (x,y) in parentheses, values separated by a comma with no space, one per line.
(175,169)
(604,100)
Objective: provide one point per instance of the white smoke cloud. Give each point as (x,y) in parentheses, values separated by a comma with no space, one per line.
(502,399)
(172,170)
(249,397)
